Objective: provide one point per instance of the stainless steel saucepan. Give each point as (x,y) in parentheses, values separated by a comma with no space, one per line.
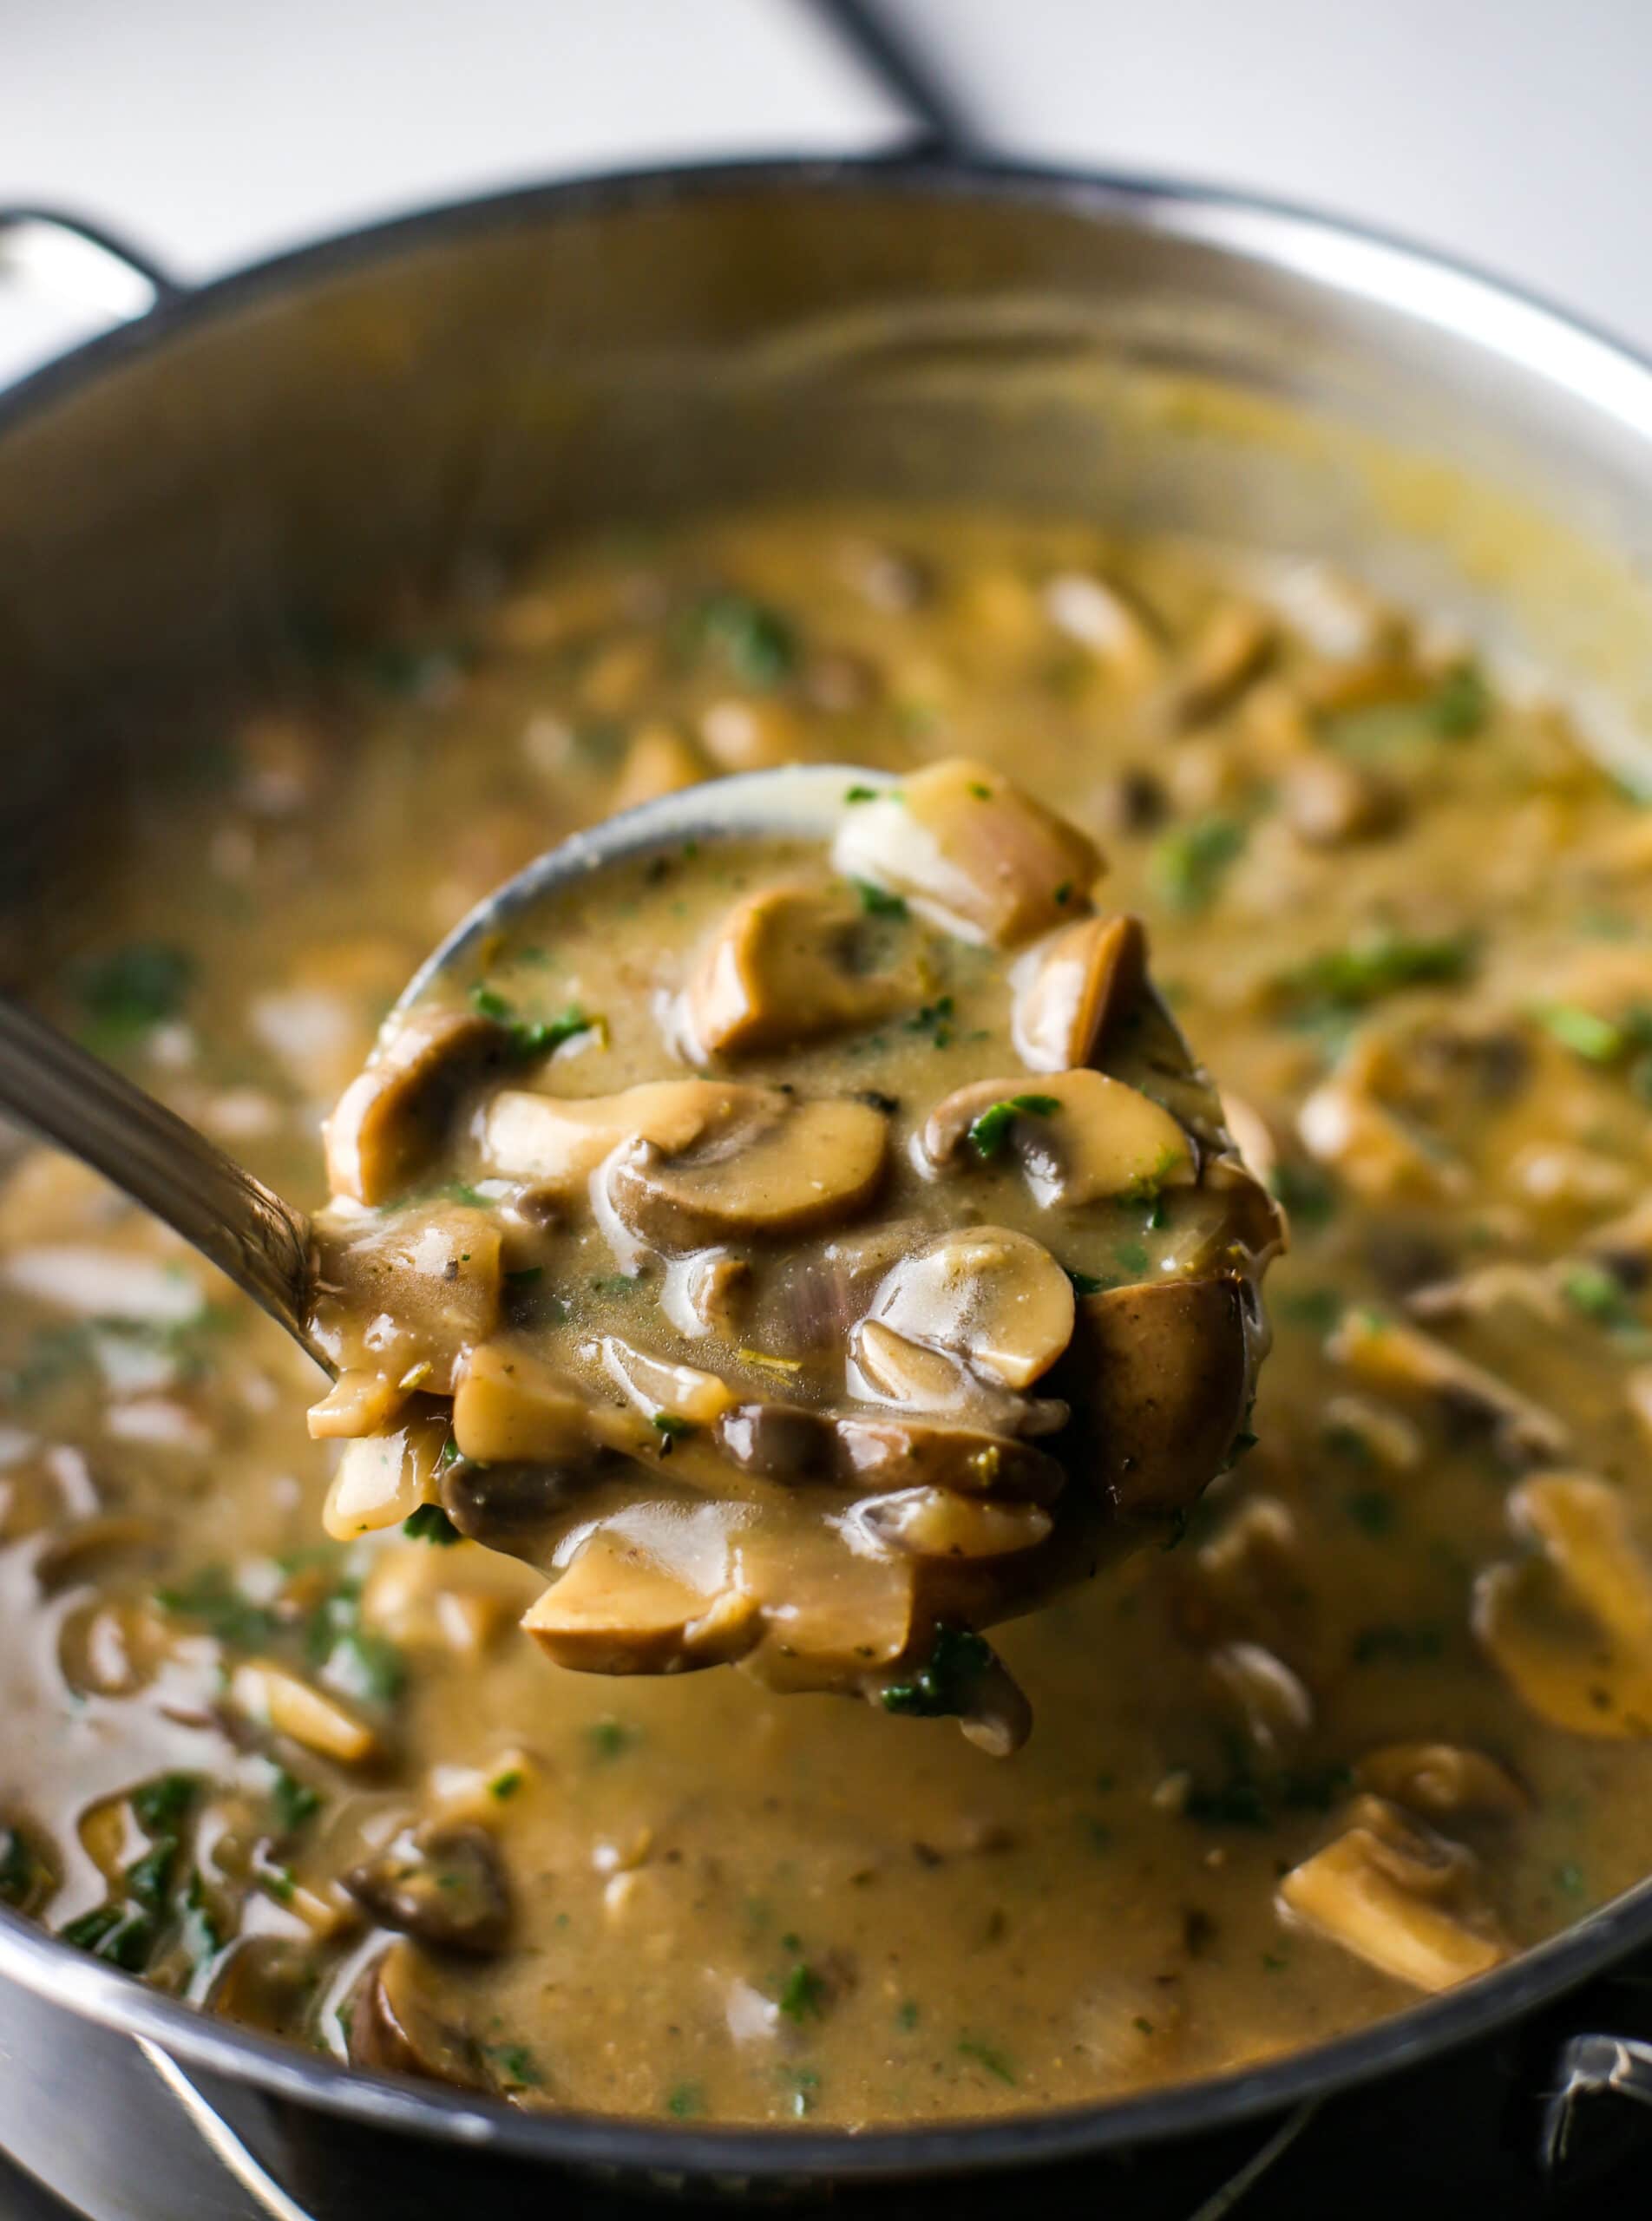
(186,499)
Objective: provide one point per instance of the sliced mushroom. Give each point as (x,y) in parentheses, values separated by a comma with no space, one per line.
(559,1140)
(1329,803)
(1395,1895)
(618,1609)
(1571,1626)
(1079,1137)
(1271,1699)
(1225,655)
(409,1299)
(395,2027)
(1443,1781)
(391,1119)
(1346,1123)
(661,1390)
(382,1480)
(815,1164)
(272,1693)
(970,851)
(359,1402)
(511,1408)
(1388,1355)
(782,968)
(446,1885)
(1160,1374)
(1072,986)
(994,1298)
(940,1524)
(890,1454)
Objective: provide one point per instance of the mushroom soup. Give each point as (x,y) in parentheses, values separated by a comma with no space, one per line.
(859,1260)
(1378,1718)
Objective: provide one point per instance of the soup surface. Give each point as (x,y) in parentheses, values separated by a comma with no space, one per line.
(1377,1719)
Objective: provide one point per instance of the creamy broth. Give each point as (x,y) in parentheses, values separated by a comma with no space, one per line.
(1406,923)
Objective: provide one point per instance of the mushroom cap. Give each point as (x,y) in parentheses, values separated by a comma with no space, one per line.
(993,1297)
(621,1608)
(446,1885)
(559,1140)
(938,1523)
(1070,987)
(1378,1890)
(409,1296)
(780,969)
(882,1452)
(392,1118)
(967,848)
(382,1480)
(1080,1136)
(813,1165)
(1571,1626)
(511,1408)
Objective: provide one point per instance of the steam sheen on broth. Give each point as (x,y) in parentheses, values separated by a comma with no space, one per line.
(1377,1719)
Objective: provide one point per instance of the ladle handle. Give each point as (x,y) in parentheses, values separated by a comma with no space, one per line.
(50,1084)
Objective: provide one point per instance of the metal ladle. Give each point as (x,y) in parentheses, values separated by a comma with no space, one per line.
(61,1092)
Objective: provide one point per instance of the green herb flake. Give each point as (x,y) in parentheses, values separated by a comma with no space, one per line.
(685,2101)
(160,1807)
(129,991)
(1375,965)
(935,1019)
(210,1597)
(802,1995)
(503,1786)
(123,1935)
(989,2056)
(20,1870)
(878,901)
(293,1801)
(945,1686)
(991,1130)
(860,794)
(1461,704)
(1084,1284)
(1599,1295)
(609,1738)
(517,2067)
(429,1523)
(758,643)
(1188,864)
(674,1429)
(906,2014)
(1595,1039)
(1569,1879)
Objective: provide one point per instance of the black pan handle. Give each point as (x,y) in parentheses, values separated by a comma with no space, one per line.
(68,259)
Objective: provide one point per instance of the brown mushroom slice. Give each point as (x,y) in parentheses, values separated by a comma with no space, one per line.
(1230,650)
(359,1402)
(1160,1372)
(890,1454)
(382,1480)
(511,1408)
(446,1885)
(781,969)
(1347,1124)
(940,1524)
(1378,1891)
(391,1119)
(662,1389)
(1072,986)
(558,1140)
(620,1608)
(409,1298)
(994,1298)
(1443,1781)
(817,1165)
(1571,1627)
(395,2027)
(271,1692)
(1080,1137)
(1270,1697)
(966,847)
(1389,1356)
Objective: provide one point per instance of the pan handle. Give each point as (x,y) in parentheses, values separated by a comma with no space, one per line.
(81,265)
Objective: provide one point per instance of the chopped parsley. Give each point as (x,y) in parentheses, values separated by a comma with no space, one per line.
(1084,1283)
(802,1995)
(1599,1295)
(212,1598)
(293,1801)
(935,1019)
(516,2066)
(991,1130)
(129,991)
(1307,1194)
(946,1683)
(671,1426)
(878,901)
(20,1870)
(429,1523)
(532,1037)
(860,794)
(159,1806)
(1598,1040)
(609,1738)
(1461,704)
(1187,864)
(989,2056)
(685,2101)
(758,643)
(505,1786)
(1375,965)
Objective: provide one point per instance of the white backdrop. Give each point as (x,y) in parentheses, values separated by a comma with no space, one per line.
(1513,131)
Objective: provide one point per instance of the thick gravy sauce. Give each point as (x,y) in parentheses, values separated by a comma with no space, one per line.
(1378,1718)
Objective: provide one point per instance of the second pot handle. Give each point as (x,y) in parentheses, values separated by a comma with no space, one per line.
(77,264)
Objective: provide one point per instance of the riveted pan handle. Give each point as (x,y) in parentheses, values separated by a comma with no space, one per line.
(76,264)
